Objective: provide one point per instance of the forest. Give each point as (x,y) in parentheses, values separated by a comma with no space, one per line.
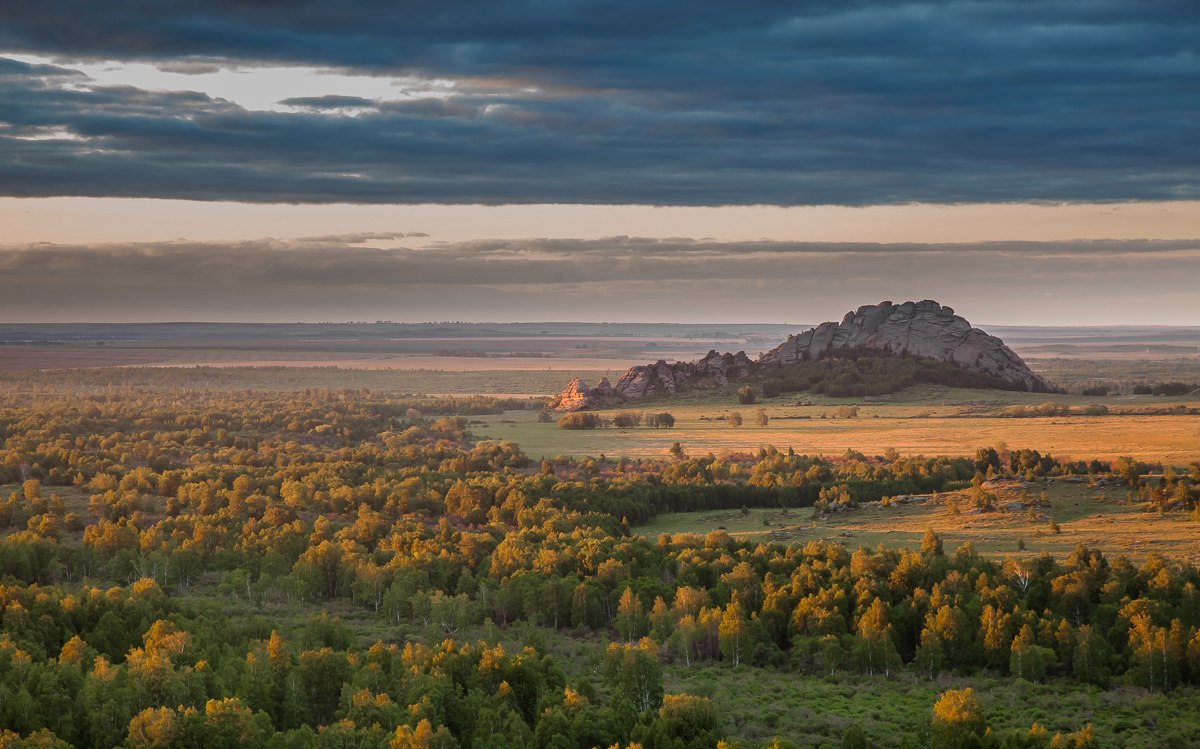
(190,568)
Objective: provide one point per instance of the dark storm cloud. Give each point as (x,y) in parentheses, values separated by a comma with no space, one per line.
(332,101)
(698,103)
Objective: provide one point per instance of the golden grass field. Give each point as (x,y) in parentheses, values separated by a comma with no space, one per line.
(1099,518)
(927,420)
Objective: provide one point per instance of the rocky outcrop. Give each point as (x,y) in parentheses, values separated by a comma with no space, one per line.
(659,378)
(923,328)
(574,397)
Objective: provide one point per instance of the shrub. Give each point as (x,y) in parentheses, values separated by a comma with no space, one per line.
(1172,388)
(854,738)
(663,420)
(579,420)
(747,396)
(627,419)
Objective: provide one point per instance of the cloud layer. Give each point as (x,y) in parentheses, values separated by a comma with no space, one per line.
(698,103)
(617,278)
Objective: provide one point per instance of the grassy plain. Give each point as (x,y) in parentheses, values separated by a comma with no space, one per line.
(427,382)
(1099,518)
(760,703)
(928,420)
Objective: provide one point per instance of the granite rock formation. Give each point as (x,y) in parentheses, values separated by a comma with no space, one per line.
(659,378)
(923,328)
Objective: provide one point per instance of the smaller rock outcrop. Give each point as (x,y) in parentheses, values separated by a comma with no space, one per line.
(574,397)
(659,378)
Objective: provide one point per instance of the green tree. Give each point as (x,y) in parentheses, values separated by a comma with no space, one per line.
(686,721)
(875,649)
(855,738)
(1029,660)
(1090,661)
(634,671)
(322,674)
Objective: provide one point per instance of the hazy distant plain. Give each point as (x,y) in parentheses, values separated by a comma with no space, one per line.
(555,346)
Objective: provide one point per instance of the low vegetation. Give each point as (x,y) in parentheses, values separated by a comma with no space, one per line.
(628,419)
(1117,376)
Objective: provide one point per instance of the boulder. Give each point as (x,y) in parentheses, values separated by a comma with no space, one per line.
(603,389)
(636,383)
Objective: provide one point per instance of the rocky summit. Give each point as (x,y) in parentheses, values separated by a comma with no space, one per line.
(923,328)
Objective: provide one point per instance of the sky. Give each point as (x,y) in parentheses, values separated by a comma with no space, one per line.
(1024,162)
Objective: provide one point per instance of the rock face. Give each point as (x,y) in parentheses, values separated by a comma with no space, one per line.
(576,396)
(923,328)
(714,370)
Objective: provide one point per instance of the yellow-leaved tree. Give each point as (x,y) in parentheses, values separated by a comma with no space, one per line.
(957,721)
